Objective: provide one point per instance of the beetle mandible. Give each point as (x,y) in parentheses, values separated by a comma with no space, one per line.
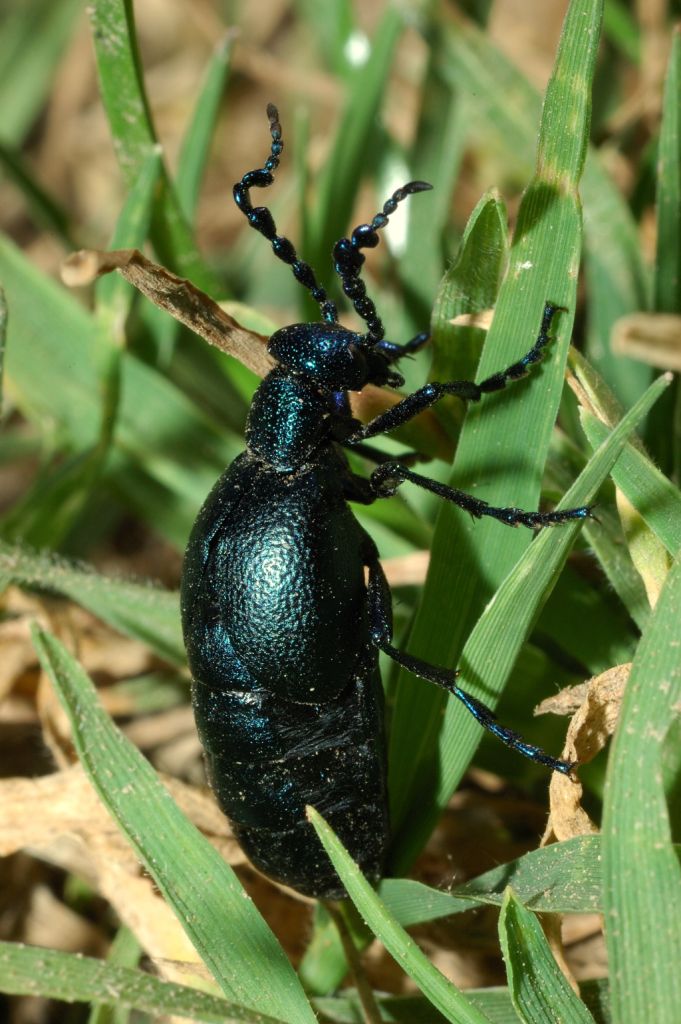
(281,629)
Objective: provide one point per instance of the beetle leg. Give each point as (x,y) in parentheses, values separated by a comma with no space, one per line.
(386,478)
(367,451)
(468,390)
(380,620)
(394,351)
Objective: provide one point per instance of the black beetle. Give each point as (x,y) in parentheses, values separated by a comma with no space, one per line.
(281,629)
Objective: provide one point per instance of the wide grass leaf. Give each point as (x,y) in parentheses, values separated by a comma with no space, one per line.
(540,992)
(34,971)
(494,644)
(217,915)
(140,610)
(506,107)
(563,878)
(641,871)
(494,459)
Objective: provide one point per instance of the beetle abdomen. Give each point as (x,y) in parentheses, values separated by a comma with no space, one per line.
(267,758)
(286,691)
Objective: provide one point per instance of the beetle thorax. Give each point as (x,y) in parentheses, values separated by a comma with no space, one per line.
(288,419)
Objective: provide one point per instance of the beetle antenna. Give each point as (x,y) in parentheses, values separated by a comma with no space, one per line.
(260,218)
(348,260)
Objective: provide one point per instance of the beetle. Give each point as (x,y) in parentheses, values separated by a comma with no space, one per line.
(285,606)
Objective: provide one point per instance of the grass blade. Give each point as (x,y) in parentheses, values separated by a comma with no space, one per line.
(199,134)
(563,878)
(470,560)
(493,646)
(28,59)
(504,102)
(34,971)
(346,163)
(139,610)
(640,867)
(451,1003)
(668,252)
(132,129)
(540,992)
(220,920)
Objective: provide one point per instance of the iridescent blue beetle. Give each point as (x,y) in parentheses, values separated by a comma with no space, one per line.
(281,629)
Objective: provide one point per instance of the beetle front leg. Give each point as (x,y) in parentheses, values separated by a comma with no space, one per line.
(468,390)
(386,478)
(395,351)
(380,624)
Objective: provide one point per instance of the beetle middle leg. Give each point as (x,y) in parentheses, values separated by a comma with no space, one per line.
(387,477)
(381,627)
(367,451)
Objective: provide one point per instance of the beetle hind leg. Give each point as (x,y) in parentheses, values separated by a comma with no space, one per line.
(380,617)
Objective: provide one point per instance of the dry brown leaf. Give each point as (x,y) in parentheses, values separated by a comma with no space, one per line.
(50,923)
(592,725)
(176,296)
(406,570)
(652,338)
(65,803)
(196,310)
(60,819)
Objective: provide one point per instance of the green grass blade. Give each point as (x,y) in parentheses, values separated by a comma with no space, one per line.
(132,129)
(620,28)
(347,162)
(44,209)
(114,293)
(199,134)
(495,1002)
(57,502)
(451,1003)
(655,498)
(563,878)
(34,971)
(641,872)
(115,297)
(436,156)
(159,429)
(124,951)
(220,920)
(539,990)
(470,286)
(503,101)
(3,343)
(663,435)
(494,644)
(493,458)
(139,610)
(650,492)
(333,25)
(667,281)
(28,59)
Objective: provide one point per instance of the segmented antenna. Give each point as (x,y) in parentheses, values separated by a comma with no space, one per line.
(260,218)
(348,260)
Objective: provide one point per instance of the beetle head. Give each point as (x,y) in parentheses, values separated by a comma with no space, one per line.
(334,357)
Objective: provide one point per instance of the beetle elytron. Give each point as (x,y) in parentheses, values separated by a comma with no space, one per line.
(282,632)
